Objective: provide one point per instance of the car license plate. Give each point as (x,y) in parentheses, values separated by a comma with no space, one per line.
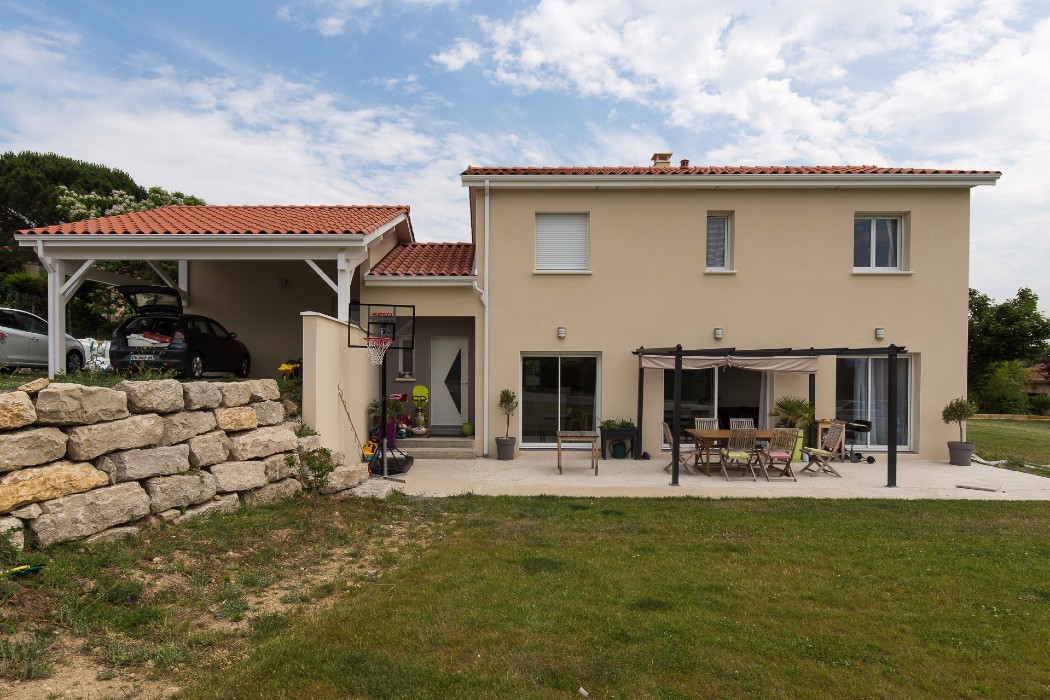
(146,358)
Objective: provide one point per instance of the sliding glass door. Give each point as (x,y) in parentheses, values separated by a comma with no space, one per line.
(559,392)
(861,394)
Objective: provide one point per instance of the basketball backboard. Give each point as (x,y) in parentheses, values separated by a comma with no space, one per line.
(394,321)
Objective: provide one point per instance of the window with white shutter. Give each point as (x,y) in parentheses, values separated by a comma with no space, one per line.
(562,242)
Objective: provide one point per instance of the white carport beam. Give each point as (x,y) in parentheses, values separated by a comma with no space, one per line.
(70,287)
(163,275)
(325,278)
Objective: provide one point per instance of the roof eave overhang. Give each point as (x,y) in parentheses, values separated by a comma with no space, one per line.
(198,246)
(420,280)
(966,180)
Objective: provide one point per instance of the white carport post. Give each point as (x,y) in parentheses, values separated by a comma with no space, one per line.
(344,268)
(56,315)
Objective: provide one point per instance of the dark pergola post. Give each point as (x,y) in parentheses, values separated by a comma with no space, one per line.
(641,395)
(811,430)
(891,413)
(676,415)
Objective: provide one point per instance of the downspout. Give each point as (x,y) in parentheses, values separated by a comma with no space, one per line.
(485,345)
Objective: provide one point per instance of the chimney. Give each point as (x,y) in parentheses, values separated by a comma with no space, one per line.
(661,160)
(685,163)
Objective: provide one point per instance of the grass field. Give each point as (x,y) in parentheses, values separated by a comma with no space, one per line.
(475,597)
(1006,439)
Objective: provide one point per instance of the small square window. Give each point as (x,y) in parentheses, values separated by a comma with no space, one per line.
(877,243)
(718,242)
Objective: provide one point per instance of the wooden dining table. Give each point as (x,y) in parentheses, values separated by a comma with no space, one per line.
(707,439)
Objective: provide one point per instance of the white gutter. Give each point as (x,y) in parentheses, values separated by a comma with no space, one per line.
(420,281)
(733,181)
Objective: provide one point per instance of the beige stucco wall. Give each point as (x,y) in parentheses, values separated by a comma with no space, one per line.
(793,286)
(329,367)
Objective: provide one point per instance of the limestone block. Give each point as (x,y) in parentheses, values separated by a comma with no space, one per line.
(167,492)
(239,476)
(235,393)
(35,386)
(309,443)
(13,529)
(180,427)
(131,465)
(277,466)
(264,390)
(262,442)
(343,478)
(227,503)
(290,407)
(272,493)
(168,516)
(156,396)
(78,516)
(236,418)
(201,395)
(210,448)
(27,448)
(29,512)
(90,441)
(113,534)
(49,482)
(16,410)
(75,404)
(268,412)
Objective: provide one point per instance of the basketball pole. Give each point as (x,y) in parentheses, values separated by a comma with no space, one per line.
(382,423)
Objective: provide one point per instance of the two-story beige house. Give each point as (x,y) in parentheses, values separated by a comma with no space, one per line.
(581,266)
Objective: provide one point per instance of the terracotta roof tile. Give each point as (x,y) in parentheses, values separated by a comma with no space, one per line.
(212,220)
(721,170)
(428,259)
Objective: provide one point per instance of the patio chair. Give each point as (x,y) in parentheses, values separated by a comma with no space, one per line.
(742,423)
(740,452)
(703,424)
(779,453)
(683,457)
(820,457)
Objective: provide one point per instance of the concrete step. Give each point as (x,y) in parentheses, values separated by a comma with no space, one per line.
(437,442)
(437,453)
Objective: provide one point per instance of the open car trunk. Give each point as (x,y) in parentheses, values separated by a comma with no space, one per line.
(154,332)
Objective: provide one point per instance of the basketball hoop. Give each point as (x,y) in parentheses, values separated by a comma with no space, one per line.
(377,346)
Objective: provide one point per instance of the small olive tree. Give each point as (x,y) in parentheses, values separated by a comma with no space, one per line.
(959,411)
(508,404)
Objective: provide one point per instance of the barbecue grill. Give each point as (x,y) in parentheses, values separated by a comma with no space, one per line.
(858,426)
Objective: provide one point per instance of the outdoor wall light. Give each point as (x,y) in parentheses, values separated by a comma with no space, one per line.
(561,332)
(880,333)
(718,334)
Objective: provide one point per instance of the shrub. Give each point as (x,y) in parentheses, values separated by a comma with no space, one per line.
(1005,388)
(314,468)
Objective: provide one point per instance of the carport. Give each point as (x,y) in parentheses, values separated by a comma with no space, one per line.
(778,359)
(313,235)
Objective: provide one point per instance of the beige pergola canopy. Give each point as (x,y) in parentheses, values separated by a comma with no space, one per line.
(786,363)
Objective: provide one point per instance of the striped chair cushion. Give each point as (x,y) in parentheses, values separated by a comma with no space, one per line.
(778,455)
(816,451)
(736,454)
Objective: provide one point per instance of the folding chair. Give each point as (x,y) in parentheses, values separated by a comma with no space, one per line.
(703,424)
(742,423)
(683,457)
(740,452)
(781,451)
(820,457)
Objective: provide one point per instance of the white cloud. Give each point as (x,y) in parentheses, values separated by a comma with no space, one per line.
(330,17)
(462,54)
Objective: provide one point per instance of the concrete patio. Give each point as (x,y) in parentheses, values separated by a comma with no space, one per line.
(536,473)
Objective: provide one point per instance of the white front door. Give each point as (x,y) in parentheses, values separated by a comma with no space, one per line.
(450,375)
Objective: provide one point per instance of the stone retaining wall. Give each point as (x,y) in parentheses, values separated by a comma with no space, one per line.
(83,462)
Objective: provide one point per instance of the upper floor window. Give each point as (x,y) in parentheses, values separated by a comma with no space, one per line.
(877,243)
(718,243)
(562,242)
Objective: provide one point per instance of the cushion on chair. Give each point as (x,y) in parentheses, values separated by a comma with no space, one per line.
(816,451)
(777,455)
(736,454)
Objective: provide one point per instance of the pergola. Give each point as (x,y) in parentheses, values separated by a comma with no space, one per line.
(769,359)
(182,233)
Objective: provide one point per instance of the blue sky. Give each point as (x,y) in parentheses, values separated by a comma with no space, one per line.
(373,101)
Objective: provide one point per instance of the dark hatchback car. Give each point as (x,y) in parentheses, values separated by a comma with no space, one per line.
(161,336)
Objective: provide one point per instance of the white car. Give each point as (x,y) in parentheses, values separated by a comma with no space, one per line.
(23,342)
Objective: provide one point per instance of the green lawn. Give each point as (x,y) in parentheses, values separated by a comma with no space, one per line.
(685,598)
(1003,439)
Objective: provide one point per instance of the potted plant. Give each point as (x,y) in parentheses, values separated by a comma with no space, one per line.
(615,432)
(794,412)
(508,404)
(959,411)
